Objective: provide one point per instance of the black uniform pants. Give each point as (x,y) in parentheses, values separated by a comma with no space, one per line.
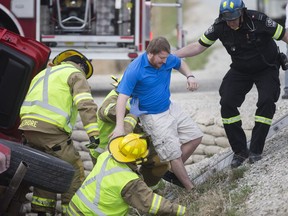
(234,87)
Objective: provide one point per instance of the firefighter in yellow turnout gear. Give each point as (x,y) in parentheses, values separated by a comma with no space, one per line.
(49,113)
(114,184)
(106,119)
(152,170)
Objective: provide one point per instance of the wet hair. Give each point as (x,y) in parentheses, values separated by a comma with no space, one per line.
(158,45)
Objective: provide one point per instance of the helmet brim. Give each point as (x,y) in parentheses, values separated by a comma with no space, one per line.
(113,148)
(229,16)
(68,53)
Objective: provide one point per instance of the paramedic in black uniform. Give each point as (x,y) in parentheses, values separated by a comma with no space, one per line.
(248,37)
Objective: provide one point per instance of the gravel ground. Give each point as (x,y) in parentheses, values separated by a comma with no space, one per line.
(268,177)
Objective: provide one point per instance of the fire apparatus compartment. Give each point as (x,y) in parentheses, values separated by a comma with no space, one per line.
(114,17)
(73,15)
(98,17)
(21,59)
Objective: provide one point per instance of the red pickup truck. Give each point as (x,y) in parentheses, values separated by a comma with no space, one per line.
(20,60)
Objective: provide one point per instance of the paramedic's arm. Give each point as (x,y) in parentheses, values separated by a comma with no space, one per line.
(190,50)
(120,113)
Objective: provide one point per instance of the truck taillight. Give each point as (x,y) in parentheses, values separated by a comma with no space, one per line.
(146,43)
(132,55)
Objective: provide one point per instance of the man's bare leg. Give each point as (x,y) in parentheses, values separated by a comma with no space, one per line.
(179,170)
(189,147)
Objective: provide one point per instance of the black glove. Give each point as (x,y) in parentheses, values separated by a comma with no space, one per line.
(283,61)
(94,142)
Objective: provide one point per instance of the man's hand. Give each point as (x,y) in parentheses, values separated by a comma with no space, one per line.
(192,84)
(116,133)
(135,108)
(94,142)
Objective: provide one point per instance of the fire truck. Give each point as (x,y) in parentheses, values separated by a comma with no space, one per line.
(100,29)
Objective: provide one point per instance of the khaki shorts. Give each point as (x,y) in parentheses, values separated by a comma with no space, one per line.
(169,130)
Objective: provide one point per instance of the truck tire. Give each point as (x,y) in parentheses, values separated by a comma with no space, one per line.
(44,171)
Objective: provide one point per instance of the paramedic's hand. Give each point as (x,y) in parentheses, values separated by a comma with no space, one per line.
(94,142)
(192,84)
(135,108)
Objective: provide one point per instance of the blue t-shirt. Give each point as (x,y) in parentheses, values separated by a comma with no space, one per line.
(150,85)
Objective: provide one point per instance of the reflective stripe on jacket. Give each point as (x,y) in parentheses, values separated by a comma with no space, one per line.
(100,194)
(106,119)
(49,98)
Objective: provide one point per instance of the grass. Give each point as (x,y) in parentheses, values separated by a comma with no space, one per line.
(218,196)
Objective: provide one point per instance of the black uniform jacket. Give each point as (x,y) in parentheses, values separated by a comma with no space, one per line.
(252,47)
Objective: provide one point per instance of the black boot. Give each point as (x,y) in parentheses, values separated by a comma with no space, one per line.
(238,159)
(254,157)
(172,178)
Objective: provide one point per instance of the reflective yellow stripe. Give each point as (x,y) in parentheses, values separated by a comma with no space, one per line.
(278,32)
(82,96)
(181,210)
(43,202)
(91,127)
(263,120)
(155,204)
(64,209)
(231,120)
(130,120)
(73,210)
(107,109)
(205,40)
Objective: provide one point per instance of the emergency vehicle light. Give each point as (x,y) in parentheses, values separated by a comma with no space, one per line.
(132,55)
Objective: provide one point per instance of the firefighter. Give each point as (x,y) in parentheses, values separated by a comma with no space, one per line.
(153,169)
(48,115)
(114,184)
(248,37)
(106,118)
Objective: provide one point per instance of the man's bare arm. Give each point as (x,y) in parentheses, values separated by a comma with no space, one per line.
(120,114)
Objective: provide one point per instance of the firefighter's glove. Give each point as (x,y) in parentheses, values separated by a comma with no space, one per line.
(135,108)
(94,142)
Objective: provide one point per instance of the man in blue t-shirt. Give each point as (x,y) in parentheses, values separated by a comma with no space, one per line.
(147,80)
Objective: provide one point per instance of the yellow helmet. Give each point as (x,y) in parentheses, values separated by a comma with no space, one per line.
(130,148)
(77,57)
